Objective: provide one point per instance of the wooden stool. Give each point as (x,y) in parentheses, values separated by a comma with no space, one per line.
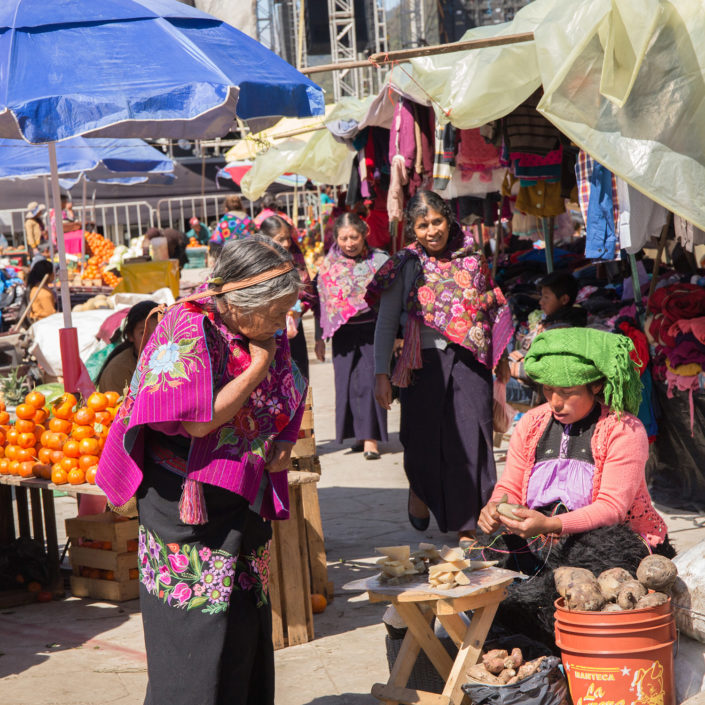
(418,609)
(298,564)
(303,455)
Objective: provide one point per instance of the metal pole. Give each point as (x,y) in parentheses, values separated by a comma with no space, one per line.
(548,242)
(638,298)
(58,220)
(48,206)
(84,188)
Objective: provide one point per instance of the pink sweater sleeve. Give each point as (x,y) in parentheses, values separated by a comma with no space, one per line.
(516,466)
(626,455)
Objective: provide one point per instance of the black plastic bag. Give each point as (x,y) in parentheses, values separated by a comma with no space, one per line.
(546,687)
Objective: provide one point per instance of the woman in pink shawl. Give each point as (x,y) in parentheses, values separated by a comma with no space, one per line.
(203,441)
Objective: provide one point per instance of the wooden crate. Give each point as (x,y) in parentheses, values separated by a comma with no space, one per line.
(103,527)
(298,564)
(304,452)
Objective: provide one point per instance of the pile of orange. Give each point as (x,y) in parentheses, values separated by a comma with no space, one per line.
(101,251)
(61,444)
(193,242)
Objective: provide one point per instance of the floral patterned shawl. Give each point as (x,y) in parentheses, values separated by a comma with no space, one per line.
(232,226)
(190,355)
(453,295)
(342,287)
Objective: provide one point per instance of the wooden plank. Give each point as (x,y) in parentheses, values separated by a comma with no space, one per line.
(37,525)
(105,589)
(41,484)
(318,563)
(275,590)
(455,626)
(105,560)
(307,419)
(304,447)
(298,477)
(22,511)
(415,621)
(7,521)
(396,694)
(472,602)
(470,650)
(304,556)
(295,586)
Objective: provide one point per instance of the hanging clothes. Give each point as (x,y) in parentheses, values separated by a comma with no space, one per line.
(639,217)
(526,130)
(475,155)
(688,234)
(444,156)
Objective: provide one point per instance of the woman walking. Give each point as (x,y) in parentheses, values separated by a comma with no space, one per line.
(346,317)
(456,326)
(202,441)
(279,230)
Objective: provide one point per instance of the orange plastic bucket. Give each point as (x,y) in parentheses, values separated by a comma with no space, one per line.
(618,658)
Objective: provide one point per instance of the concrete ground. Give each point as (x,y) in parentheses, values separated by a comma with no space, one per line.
(82,652)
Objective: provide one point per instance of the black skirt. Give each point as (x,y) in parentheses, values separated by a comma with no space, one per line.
(446,431)
(203,595)
(357,413)
(299,350)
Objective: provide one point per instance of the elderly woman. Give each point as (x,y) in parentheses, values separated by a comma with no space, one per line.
(203,440)
(456,327)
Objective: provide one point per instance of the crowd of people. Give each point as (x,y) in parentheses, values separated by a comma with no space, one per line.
(216,400)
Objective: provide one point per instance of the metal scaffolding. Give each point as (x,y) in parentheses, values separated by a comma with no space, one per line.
(343,45)
(487,12)
(373,79)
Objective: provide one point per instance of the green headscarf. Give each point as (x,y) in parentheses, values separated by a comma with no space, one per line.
(570,357)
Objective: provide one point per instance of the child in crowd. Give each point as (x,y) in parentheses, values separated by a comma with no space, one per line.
(558,293)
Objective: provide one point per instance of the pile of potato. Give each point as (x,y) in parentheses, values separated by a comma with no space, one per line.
(94,303)
(616,589)
(444,566)
(500,667)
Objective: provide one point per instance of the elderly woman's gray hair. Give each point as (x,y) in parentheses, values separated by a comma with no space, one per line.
(242,259)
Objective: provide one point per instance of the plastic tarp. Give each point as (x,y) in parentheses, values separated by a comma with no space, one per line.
(623,79)
(321,159)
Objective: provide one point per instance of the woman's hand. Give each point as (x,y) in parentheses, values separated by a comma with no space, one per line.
(280,457)
(398,347)
(532,523)
(320,350)
(262,353)
(383,391)
(489,520)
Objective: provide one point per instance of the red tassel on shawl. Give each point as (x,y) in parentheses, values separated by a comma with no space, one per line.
(192,506)
(410,358)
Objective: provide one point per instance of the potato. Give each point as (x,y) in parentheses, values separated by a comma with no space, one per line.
(564,577)
(515,659)
(653,600)
(630,593)
(495,653)
(584,596)
(495,665)
(611,607)
(506,675)
(479,673)
(657,573)
(528,669)
(610,582)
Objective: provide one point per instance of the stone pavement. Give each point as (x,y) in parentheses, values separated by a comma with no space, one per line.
(82,652)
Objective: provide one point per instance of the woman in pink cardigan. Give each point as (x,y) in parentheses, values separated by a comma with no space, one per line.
(576,465)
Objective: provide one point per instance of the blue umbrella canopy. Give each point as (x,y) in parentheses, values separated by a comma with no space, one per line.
(98,158)
(136,68)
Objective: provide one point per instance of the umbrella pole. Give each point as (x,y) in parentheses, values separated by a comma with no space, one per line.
(58,219)
(48,207)
(83,219)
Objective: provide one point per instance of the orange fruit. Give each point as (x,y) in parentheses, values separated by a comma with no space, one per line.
(112,410)
(89,446)
(58,475)
(38,431)
(44,456)
(56,456)
(25,412)
(4,466)
(34,586)
(26,469)
(103,417)
(76,476)
(133,573)
(14,467)
(112,397)
(81,432)
(60,426)
(71,448)
(84,416)
(68,463)
(2,406)
(56,441)
(40,416)
(97,401)
(4,418)
(318,603)
(109,575)
(44,440)
(12,436)
(101,443)
(86,461)
(91,473)
(11,451)
(26,440)
(2,437)
(63,406)
(35,399)
(25,454)
(24,426)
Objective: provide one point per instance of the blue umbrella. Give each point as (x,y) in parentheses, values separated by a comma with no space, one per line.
(98,158)
(136,68)
(132,68)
